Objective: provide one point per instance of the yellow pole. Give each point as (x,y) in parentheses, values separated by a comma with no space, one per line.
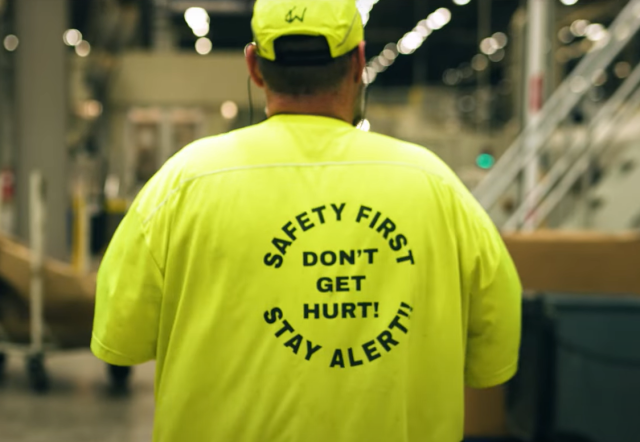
(79,257)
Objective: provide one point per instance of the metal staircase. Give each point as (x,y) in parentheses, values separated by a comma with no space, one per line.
(614,204)
(593,175)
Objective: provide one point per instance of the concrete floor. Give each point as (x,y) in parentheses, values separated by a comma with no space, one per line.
(79,406)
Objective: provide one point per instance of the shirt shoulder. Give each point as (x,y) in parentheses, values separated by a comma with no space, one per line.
(396,150)
(184,166)
(459,198)
(270,144)
(415,156)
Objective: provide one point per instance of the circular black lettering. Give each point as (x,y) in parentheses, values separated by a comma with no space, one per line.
(328,258)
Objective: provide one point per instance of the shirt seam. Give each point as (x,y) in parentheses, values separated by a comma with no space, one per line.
(186,181)
(110,350)
(491,379)
(147,244)
(310,120)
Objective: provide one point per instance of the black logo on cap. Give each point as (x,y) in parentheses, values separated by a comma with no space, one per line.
(292,16)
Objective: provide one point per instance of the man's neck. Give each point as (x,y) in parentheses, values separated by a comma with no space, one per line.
(324,106)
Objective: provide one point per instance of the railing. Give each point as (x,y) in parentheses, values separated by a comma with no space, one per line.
(556,110)
(575,162)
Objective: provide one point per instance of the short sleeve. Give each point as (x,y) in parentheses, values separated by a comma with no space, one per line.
(128,297)
(494,303)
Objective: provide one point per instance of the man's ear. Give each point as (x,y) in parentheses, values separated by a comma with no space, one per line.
(361,61)
(251,56)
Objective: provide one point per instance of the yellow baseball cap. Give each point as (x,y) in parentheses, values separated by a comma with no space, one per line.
(339,21)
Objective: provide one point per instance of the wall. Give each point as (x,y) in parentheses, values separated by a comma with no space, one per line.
(174,80)
(177,79)
(426,116)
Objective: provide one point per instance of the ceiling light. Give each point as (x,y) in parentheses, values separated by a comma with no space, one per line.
(565,35)
(204,46)
(596,32)
(451,77)
(439,18)
(622,69)
(11,42)
(384,61)
(408,44)
(376,65)
(392,47)
(72,37)
(423,24)
(501,39)
(202,30)
(403,48)
(196,17)
(90,109)
(229,110)
(411,42)
(423,31)
(390,54)
(569,2)
(83,49)
(461,2)
(479,62)
(444,15)
(369,75)
(497,56)
(489,46)
(579,27)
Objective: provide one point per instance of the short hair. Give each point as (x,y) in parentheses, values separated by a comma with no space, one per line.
(304,66)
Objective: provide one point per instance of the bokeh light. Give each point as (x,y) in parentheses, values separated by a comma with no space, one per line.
(11,42)
(204,46)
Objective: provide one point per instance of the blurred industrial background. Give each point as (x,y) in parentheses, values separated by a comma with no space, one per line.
(533,103)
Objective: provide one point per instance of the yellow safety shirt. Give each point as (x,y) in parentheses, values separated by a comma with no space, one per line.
(304,281)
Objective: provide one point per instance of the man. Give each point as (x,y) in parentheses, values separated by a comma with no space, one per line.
(301,280)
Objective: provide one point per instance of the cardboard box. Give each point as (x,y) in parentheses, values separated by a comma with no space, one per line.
(577,262)
(69,298)
(562,262)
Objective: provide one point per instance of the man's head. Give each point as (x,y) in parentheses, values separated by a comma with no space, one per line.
(309,56)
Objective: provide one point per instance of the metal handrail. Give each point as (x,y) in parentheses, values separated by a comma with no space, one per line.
(558,107)
(581,165)
(603,118)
